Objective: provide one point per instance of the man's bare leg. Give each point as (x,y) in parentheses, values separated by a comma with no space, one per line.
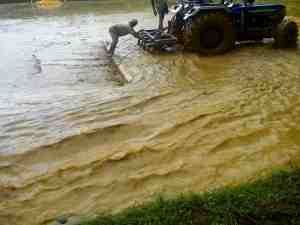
(113,45)
(161,22)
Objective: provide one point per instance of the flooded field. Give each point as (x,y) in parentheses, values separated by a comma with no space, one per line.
(77,140)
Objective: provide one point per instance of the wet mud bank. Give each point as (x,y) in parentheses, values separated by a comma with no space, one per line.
(268,200)
(76,143)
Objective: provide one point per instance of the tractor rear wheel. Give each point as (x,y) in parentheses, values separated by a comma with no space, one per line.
(286,34)
(209,34)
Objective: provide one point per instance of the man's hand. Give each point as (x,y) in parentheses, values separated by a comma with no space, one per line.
(136,34)
(140,34)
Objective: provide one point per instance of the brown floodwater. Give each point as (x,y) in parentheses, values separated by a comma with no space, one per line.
(76,139)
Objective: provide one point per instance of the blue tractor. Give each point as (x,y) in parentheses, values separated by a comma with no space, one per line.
(214,26)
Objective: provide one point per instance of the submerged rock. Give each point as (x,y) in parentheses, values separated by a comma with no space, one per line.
(67,220)
(74,220)
(62,219)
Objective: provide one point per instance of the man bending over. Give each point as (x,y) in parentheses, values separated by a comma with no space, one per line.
(120,30)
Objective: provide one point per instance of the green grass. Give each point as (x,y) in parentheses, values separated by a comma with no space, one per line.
(272,201)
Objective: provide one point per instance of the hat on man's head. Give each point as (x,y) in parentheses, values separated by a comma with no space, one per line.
(133,22)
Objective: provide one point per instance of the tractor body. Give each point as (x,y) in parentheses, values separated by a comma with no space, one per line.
(250,21)
(214,26)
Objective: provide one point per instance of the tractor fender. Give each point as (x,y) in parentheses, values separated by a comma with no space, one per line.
(197,10)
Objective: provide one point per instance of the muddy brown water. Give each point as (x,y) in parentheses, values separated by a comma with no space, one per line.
(76,140)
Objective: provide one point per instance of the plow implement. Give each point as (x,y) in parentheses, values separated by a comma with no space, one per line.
(155,39)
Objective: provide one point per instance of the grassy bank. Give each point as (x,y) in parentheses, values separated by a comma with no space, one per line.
(272,201)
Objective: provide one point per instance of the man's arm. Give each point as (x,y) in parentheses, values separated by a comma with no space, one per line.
(135,34)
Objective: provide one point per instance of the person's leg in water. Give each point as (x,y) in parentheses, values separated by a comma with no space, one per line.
(163,9)
(161,17)
(114,42)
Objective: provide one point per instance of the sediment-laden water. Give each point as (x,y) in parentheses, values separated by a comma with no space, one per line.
(77,140)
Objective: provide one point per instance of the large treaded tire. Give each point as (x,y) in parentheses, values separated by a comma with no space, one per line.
(286,34)
(210,34)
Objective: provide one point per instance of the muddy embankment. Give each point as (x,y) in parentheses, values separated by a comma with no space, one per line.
(190,123)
